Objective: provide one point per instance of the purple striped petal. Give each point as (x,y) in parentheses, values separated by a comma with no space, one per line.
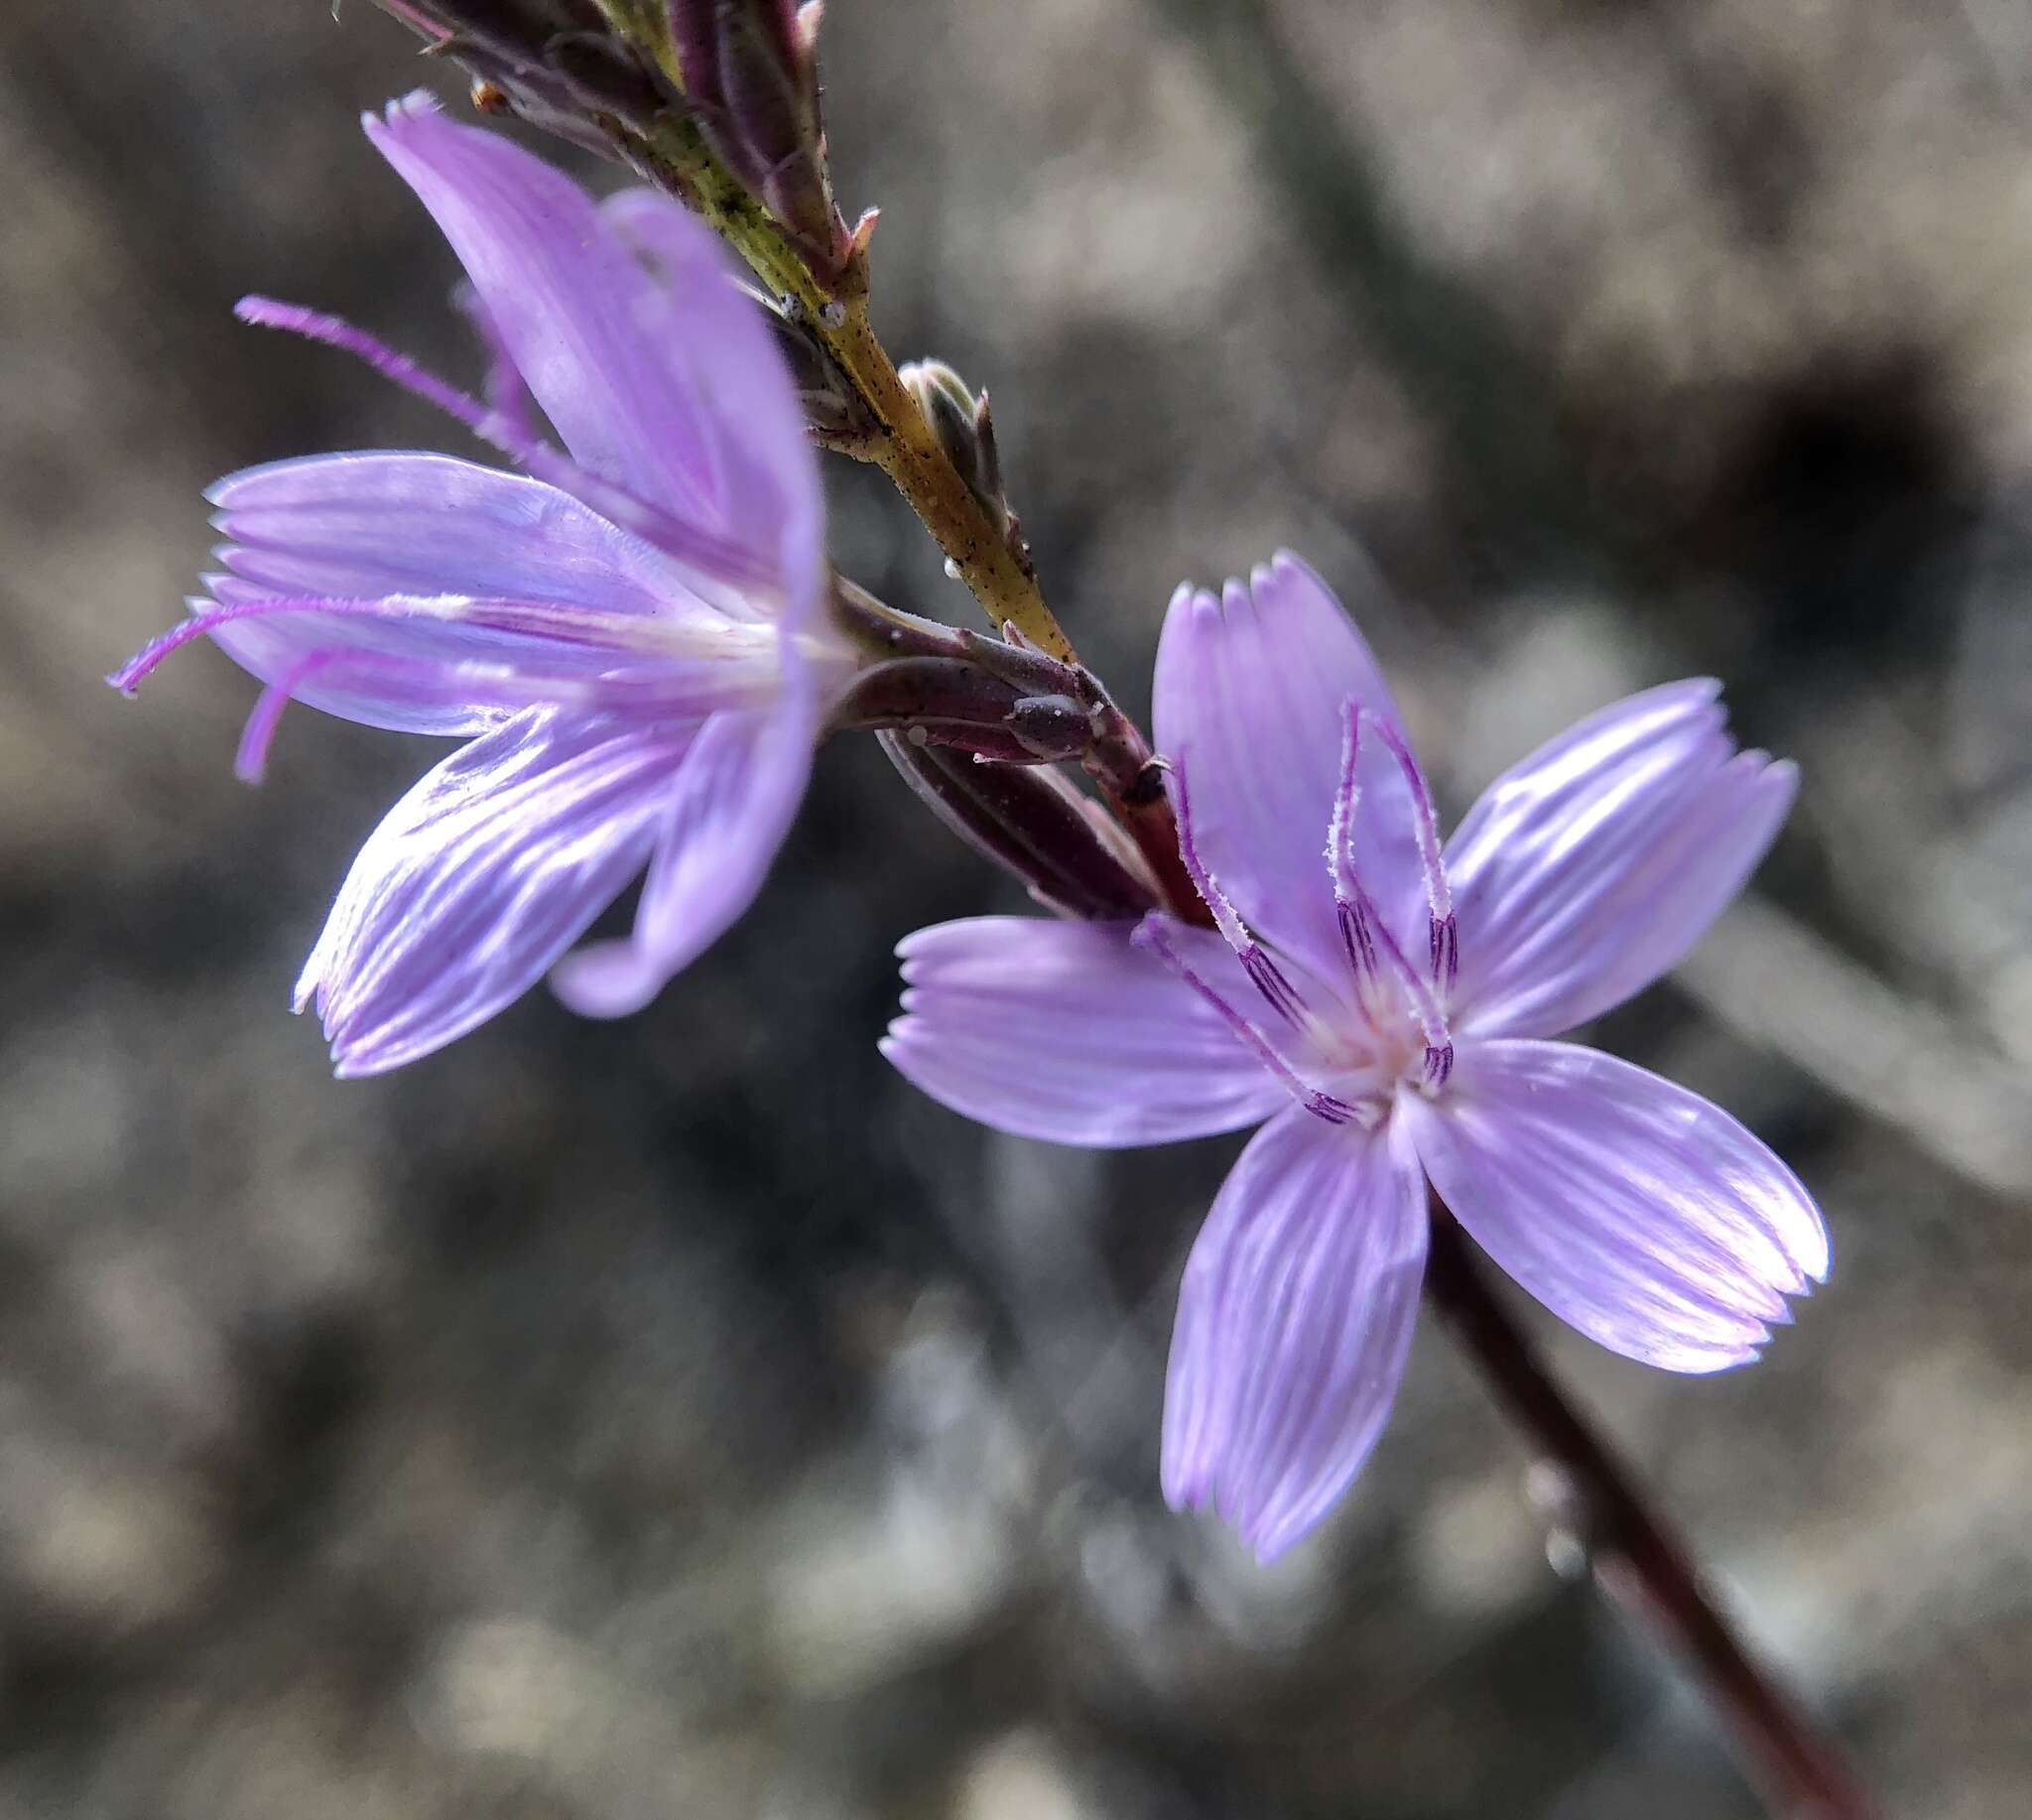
(621,373)
(439,535)
(1594,866)
(1067,1032)
(724,817)
(401,522)
(481,878)
(1635,1209)
(1248,701)
(1295,1319)
(725,356)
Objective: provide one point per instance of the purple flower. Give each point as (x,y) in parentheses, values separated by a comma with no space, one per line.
(1385,1006)
(629,635)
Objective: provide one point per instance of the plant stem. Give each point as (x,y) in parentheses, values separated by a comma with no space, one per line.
(1637,1562)
(900,443)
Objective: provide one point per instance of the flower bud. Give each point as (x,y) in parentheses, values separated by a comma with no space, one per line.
(1031,820)
(751,79)
(605,76)
(967,433)
(556,64)
(833,409)
(953,702)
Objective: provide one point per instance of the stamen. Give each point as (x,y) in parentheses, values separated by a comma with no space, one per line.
(1364,933)
(1268,978)
(508,394)
(689,543)
(250,762)
(473,683)
(144,663)
(1356,939)
(1150,934)
(332,331)
(1350,900)
(1443,935)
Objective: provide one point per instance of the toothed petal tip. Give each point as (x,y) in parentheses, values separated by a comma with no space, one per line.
(417,105)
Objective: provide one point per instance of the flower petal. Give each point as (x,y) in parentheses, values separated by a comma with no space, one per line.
(1592,868)
(381,525)
(724,817)
(1248,702)
(481,878)
(403,522)
(604,352)
(725,356)
(1635,1209)
(1295,1319)
(1067,1032)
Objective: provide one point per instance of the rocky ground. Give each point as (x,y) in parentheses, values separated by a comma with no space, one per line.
(683,1417)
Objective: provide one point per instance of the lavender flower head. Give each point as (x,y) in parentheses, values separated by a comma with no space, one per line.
(628,633)
(1385,1004)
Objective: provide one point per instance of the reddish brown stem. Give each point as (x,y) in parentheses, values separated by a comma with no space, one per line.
(1642,1567)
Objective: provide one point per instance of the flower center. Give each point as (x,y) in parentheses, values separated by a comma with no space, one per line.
(1343,1068)
(1402,1004)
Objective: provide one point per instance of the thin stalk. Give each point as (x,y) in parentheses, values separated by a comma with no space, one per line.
(1641,1566)
(900,443)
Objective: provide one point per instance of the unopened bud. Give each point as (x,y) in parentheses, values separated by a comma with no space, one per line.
(1050,725)
(1033,822)
(834,407)
(605,76)
(556,64)
(510,28)
(750,73)
(953,702)
(965,431)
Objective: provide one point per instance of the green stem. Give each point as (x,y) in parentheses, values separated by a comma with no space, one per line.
(901,443)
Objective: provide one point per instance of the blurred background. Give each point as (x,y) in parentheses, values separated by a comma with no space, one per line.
(683,1417)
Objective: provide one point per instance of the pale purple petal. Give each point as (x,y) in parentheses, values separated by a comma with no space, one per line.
(604,350)
(424,527)
(1249,700)
(1638,1211)
(454,665)
(403,522)
(1295,1319)
(724,817)
(1594,866)
(481,878)
(1067,1032)
(722,354)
